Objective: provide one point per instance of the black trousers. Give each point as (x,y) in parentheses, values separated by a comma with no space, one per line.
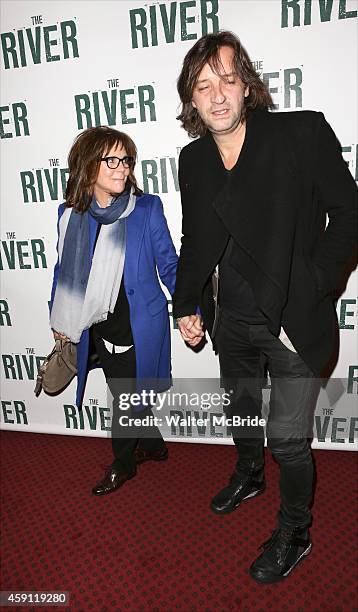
(243,351)
(120,372)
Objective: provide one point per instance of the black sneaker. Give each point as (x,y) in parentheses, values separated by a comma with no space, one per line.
(241,486)
(282,552)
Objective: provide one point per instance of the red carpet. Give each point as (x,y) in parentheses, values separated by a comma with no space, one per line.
(154,545)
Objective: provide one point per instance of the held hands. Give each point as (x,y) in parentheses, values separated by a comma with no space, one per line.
(191,329)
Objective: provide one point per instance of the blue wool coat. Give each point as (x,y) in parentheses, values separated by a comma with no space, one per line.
(149,249)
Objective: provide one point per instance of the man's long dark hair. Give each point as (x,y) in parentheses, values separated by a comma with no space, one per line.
(84,160)
(206,50)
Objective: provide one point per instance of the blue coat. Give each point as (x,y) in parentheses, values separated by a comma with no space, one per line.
(149,248)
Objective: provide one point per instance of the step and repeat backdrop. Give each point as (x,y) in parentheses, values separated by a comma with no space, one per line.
(67,66)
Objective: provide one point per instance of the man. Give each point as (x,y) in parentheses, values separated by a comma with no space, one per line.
(255,188)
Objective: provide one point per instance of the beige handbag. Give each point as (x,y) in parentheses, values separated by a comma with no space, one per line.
(58,369)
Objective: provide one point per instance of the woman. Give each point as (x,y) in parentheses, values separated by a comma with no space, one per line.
(112,240)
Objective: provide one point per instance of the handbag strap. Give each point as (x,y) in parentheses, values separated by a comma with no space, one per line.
(65,357)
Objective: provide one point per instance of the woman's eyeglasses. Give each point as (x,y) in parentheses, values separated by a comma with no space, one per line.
(113,162)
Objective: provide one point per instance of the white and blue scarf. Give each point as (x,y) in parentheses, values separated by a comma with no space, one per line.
(87,291)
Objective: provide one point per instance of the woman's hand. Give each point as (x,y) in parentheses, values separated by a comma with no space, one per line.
(58,336)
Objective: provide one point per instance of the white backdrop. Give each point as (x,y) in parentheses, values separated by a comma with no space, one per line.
(68,65)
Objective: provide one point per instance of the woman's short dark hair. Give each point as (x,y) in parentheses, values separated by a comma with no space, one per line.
(84,160)
(206,50)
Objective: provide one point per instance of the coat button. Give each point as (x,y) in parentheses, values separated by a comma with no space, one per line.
(130,291)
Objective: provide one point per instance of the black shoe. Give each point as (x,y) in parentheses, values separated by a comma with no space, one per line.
(282,552)
(112,481)
(141,455)
(242,486)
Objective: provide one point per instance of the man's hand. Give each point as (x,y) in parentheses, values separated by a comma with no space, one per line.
(191,329)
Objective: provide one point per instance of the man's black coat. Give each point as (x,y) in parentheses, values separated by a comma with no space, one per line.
(289,174)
